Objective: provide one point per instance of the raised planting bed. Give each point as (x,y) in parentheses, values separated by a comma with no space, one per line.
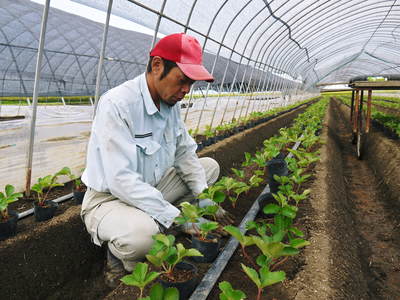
(251,165)
(57,255)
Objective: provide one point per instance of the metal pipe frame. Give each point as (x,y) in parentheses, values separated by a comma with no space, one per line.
(101,58)
(35,96)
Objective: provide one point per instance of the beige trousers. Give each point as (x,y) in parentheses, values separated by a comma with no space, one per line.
(127,230)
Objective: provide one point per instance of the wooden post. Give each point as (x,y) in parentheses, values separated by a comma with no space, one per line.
(356,107)
(368,111)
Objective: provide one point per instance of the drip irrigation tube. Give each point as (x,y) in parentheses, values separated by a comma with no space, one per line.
(58,200)
(213,273)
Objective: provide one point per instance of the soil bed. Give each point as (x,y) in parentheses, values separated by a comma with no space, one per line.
(351,222)
(57,258)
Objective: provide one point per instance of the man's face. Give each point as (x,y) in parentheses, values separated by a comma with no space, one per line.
(173,87)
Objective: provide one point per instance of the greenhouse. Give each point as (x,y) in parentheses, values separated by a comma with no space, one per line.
(227,149)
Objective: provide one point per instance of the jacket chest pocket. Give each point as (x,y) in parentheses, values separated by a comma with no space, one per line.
(147,158)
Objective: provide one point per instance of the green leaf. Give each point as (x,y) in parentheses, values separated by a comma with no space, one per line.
(269,278)
(228,293)
(219,197)
(299,243)
(9,190)
(289,251)
(289,211)
(170,294)
(296,231)
(252,274)
(271,209)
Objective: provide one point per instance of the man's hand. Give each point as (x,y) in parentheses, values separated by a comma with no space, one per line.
(223,217)
(194,228)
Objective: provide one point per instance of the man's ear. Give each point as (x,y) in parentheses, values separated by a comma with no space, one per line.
(157,65)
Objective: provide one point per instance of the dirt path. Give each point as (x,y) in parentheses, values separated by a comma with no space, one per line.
(376,220)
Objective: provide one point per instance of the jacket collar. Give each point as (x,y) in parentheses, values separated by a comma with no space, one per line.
(148,101)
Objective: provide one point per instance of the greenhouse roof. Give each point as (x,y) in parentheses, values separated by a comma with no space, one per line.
(253,41)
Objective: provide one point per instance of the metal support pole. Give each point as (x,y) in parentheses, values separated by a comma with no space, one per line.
(35,97)
(63,101)
(101,59)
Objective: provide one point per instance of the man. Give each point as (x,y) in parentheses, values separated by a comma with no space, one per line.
(141,158)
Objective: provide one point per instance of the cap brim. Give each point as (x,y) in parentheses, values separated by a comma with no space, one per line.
(195,72)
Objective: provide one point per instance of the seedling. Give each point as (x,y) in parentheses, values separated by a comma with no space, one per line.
(6,198)
(239,173)
(248,160)
(214,193)
(243,240)
(206,228)
(228,293)
(255,181)
(77,180)
(263,278)
(165,255)
(47,183)
(240,188)
(140,277)
(157,292)
(209,131)
(192,213)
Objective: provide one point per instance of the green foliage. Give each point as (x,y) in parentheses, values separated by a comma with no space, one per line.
(264,277)
(240,188)
(165,255)
(9,196)
(47,183)
(228,293)
(239,173)
(191,214)
(140,277)
(214,193)
(206,228)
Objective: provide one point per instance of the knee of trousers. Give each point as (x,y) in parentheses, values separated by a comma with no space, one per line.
(212,169)
(132,245)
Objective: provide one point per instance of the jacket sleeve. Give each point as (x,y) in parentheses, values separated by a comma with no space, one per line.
(117,151)
(187,162)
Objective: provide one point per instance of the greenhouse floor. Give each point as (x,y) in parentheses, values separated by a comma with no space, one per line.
(351,221)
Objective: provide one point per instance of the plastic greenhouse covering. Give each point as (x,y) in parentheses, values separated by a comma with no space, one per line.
(262,54)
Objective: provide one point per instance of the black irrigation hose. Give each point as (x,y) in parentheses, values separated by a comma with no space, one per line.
(213,273)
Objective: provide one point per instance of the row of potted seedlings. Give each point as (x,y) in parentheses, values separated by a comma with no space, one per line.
(276,241)
(43,208)
(212,135)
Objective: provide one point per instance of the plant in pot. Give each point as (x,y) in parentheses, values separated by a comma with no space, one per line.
(140,278)
(8,218)
(174,271)
(44,209)
(203,239)
(79,188)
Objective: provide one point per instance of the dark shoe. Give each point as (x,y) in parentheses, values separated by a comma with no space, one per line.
(113,271)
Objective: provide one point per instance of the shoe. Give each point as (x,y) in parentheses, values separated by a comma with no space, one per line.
(113,271)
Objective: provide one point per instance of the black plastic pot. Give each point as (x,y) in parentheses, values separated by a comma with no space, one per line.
(9,228)
(185,288)
(276,166)
(43,213)
(78,196)
(209,248)
(200,146)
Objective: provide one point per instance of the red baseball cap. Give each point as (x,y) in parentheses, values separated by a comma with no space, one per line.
(186,52)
